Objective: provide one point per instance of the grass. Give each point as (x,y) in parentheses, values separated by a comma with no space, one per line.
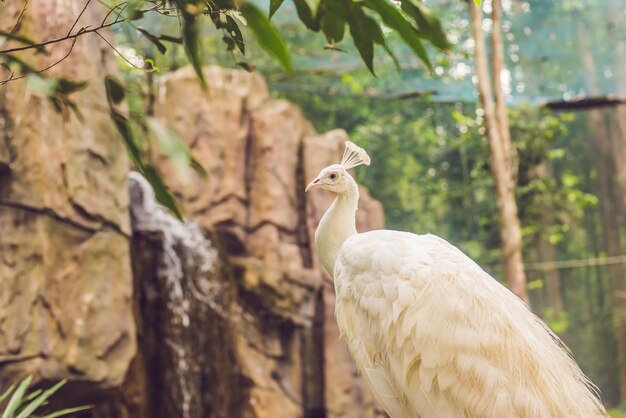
(25,404)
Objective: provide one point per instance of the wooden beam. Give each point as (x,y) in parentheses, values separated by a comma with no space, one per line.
(585,103)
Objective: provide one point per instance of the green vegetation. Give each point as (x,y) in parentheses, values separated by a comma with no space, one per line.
(22,403)
(430,167)
(420,121)
(426,134)
(152,21)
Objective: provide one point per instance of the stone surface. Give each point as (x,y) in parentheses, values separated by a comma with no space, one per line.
(233,316)
(260,153)
(187,315)
(65,277)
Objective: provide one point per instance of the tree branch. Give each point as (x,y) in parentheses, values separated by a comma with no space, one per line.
(69,32)
(57,40)
(19,18)
(81,32)
(12,78)
(116,51)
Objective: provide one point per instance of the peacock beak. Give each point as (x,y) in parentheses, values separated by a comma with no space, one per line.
(316,182)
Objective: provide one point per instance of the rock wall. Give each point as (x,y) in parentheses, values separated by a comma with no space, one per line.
(65,272)
(259,153)
(227,316)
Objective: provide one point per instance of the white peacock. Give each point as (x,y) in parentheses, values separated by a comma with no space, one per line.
(432,333)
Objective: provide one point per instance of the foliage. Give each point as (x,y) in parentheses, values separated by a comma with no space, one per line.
(144,136)
(150,20)
(430,166)
(618,412)
(24,404)
(412,20)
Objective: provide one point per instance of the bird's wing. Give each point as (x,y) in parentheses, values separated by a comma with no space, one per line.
(364,354)
(445,338)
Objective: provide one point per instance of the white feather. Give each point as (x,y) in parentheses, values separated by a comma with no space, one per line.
(480,352)
(432,333)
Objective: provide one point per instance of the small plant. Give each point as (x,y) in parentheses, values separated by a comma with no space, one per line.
(24,405)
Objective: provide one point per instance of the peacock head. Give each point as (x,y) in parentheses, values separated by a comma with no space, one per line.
(335,178)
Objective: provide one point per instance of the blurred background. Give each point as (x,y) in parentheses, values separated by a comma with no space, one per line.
(229,314)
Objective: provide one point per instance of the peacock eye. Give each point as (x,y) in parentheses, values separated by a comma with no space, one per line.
(333,176)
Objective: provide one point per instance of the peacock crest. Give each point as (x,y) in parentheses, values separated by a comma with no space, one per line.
(353,156)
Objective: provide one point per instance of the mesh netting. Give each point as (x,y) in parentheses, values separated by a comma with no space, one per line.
(556,50)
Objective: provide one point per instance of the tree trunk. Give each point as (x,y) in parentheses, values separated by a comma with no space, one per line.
(497,66)
(601,326)
(547,250)
(601,154)
(615,19)
(500,158)
(603,160)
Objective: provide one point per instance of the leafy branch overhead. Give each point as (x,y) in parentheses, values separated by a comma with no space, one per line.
(413,21)
(140,133)
(366,21)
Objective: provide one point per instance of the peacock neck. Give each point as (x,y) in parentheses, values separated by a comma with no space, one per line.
(336,226)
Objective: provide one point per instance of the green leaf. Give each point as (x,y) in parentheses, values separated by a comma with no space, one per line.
(7,393)
(67,411)
(132,9)
(168,38)
(41,85)
(66,86)
(12,60)
(306,15)
(154,39)
(171,146)
(115,90)
(333,27)
(192,47)
(429,26)
(32,406)
(365,32)
(198,168)
(24,40)
(274,5)
(235,33)
(394,19)
(333,16)
(16,399)
(123,127)
(477,2)
(396,63)
(151,65)
(313,6)
(267,36)
(162,193)
(191,35)
(32,395)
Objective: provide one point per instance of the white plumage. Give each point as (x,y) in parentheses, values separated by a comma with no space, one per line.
(432,333)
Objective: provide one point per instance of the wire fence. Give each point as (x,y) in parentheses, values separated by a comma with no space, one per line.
(570,264)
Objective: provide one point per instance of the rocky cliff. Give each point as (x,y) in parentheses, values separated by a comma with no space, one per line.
(261,338)
(226,315)
(65,276)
